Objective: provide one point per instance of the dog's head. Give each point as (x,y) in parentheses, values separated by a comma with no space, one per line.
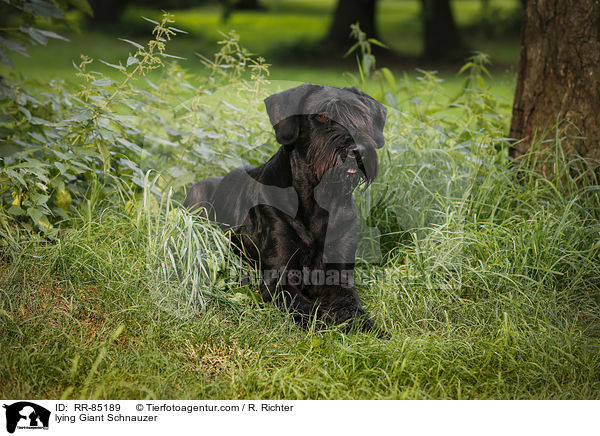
(336,130)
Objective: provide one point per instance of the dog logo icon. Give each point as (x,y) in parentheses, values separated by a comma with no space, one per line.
(26,415)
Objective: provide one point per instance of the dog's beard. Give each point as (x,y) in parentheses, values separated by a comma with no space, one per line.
(325,152)
(343,177)
(337,169)
(339,182)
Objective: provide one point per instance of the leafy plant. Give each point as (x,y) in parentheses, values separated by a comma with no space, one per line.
(26,31)
(59,145)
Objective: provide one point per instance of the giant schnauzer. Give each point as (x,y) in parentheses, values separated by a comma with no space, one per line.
(294,217)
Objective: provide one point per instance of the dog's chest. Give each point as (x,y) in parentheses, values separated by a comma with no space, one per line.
(331,223)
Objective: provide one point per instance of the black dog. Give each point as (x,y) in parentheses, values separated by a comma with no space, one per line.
(294,216)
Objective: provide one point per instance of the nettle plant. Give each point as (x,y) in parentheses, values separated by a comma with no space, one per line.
(69,146)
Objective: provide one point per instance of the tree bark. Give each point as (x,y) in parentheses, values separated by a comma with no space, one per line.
(559,76)
(348,12)
(440,35)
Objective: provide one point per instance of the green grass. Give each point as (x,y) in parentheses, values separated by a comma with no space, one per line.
(522,324)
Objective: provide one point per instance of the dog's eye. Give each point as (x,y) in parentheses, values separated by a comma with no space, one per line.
(322,118)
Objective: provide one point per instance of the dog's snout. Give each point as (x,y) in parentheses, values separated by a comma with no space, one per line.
(358,148)
(366,159)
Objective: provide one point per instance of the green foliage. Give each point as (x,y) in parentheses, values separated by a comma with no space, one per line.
(59,144)
(16,39)
(365,59)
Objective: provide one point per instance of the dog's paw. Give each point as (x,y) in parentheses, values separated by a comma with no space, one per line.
(366,324)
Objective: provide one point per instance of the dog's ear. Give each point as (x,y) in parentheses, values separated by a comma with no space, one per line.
(289,102)
(287,130)
(285,109)
(379,117)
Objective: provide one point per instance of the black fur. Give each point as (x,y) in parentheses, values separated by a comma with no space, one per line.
(295,214)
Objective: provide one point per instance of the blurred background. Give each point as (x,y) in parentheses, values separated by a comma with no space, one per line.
(304,40)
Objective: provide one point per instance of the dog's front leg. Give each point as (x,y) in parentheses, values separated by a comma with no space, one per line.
(341,304)
(289,298)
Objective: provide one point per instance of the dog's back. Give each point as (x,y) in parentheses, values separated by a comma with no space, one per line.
(202,195)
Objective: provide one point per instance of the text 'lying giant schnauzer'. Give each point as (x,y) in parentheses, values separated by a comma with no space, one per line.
(296,213)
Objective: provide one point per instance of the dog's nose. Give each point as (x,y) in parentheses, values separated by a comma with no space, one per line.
(366,159)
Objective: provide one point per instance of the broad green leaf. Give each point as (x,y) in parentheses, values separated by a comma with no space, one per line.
(14,46)
(41,122)
(53,35)
(16,211)
(368,63)
(105,81)
(37,36)
(41,36)
(44,223)
(38,199)
(31,163)
(25,112)
(81,115)
(16,175)
(17,198)
(43,8)
(63,199)
(105,156)
(35,214)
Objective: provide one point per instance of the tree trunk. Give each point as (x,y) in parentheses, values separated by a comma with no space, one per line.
(440,34)
(349,12)
(247,5)
(559,76)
